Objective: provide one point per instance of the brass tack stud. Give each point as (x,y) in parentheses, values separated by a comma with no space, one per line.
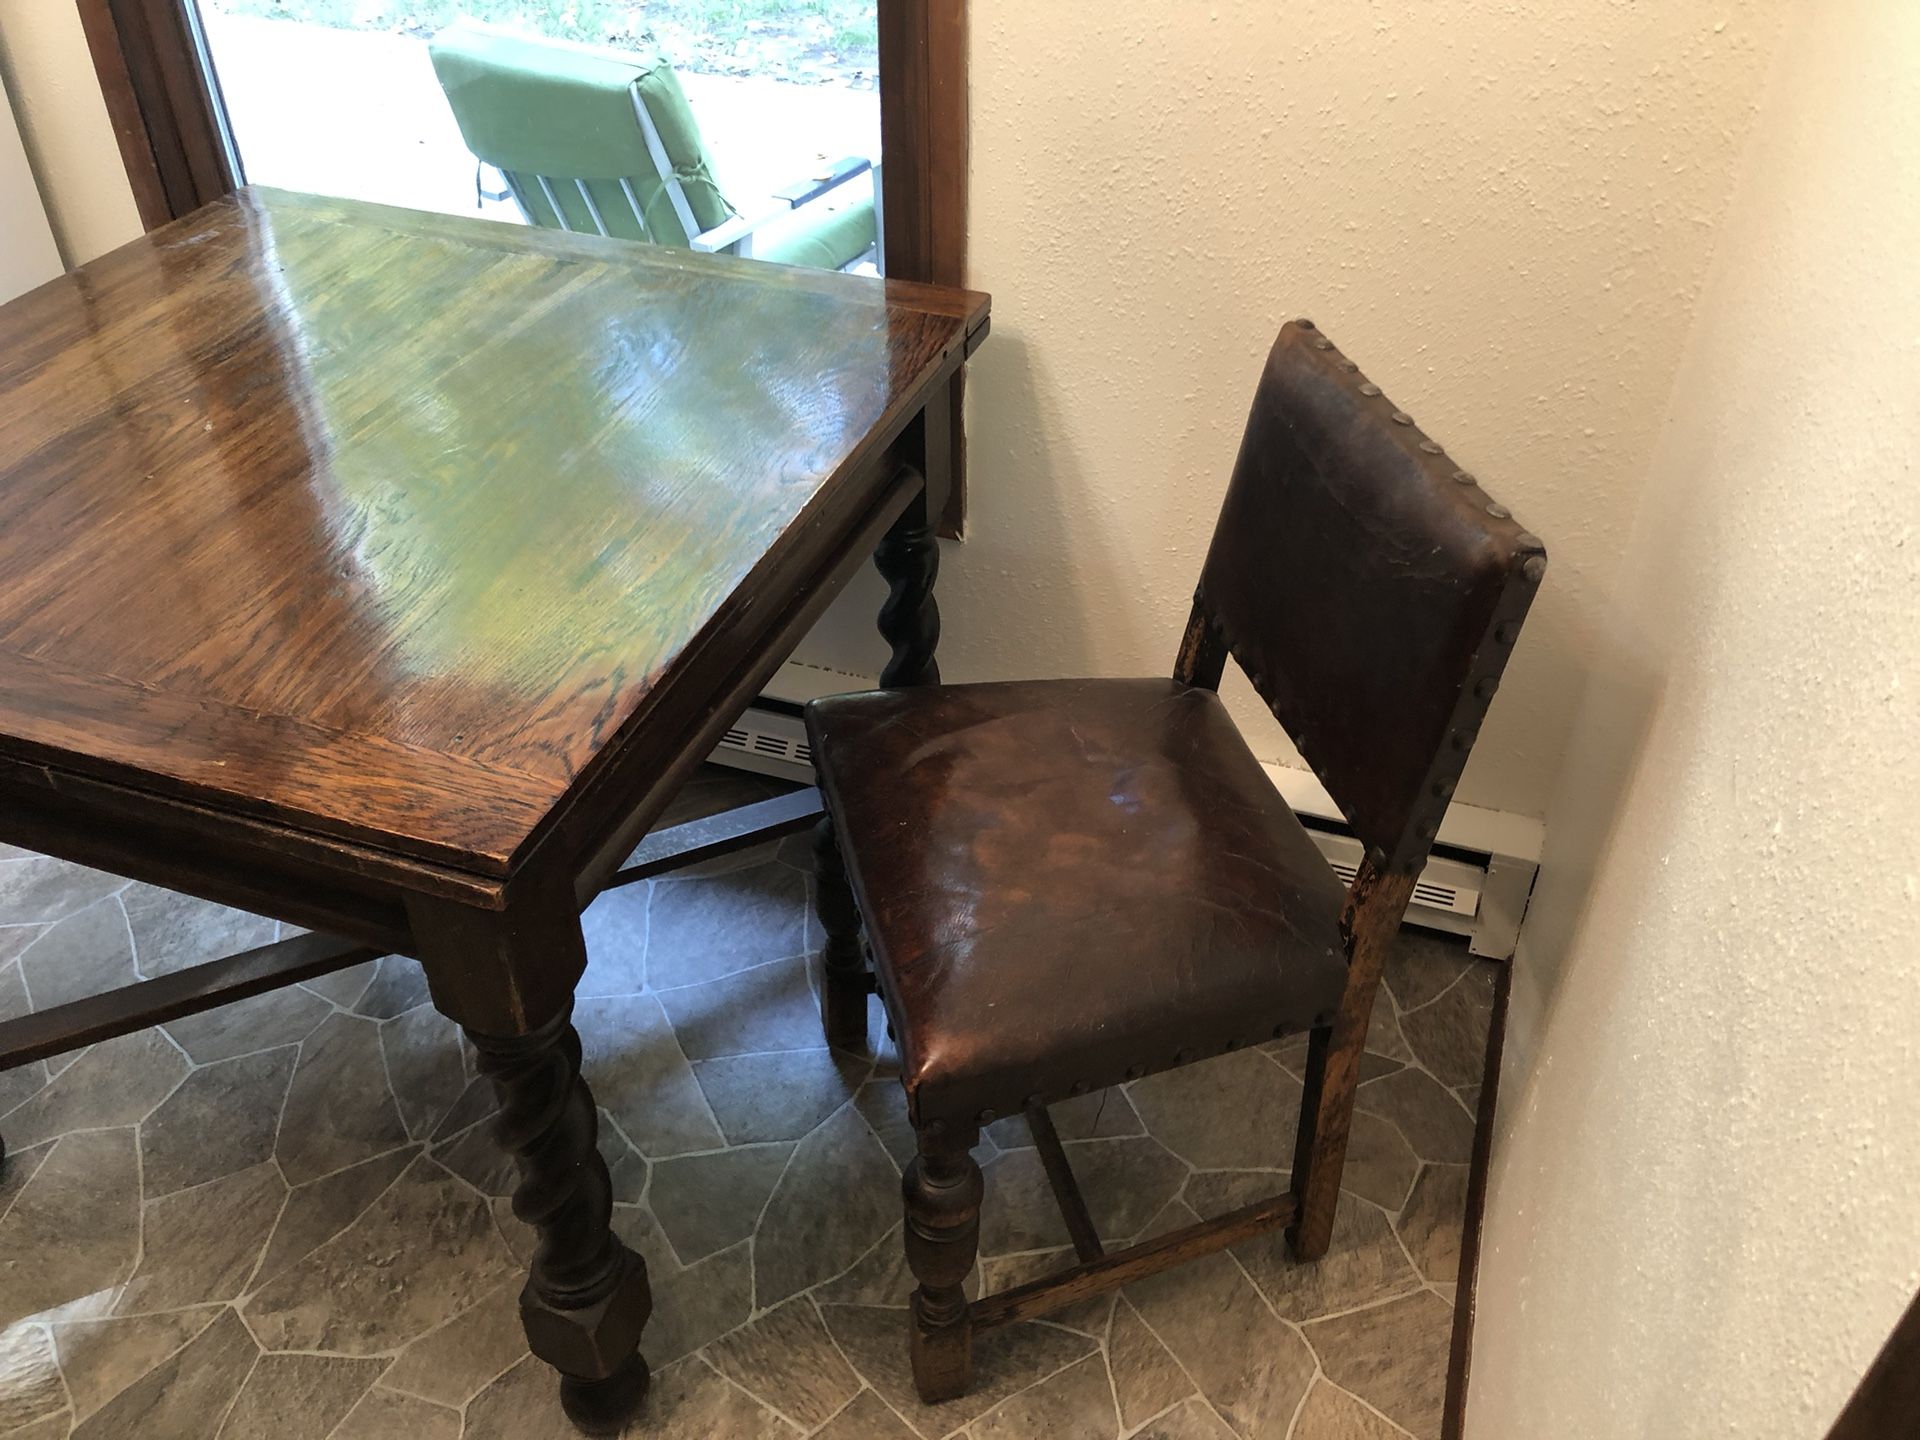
(1463,739)
(1323,343)
(1426,830)
(1535,567)
(1461,477)
(1484,687)
(1431,447)
(1232,1045)
(1304,323)
(1499,511)
(1033,1102)
(1134,1072)
(1180,1057)
(1443,789)
(1377,858)
(1527,540)
(1400,417)
(1369,388)
(1280,1032)
(985,1117)
(1507,632)
(1080,1087)
(1349,366)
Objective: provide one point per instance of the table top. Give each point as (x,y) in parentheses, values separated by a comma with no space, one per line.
(389,526)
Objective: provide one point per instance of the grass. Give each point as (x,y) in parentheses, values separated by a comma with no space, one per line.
(696,34)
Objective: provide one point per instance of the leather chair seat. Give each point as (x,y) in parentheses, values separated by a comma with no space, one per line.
(1071,883)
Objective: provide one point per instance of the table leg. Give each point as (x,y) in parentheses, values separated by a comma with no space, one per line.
(845,982)
(508,980)
(909,558)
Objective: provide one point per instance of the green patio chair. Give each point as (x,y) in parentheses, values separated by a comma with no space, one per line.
(601,142)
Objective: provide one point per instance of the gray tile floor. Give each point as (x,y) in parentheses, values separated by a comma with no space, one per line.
(287,1219)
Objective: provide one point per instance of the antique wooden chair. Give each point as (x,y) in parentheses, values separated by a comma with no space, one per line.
(1066,885)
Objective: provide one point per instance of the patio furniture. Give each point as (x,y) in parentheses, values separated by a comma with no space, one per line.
(1068,885)
(601,142)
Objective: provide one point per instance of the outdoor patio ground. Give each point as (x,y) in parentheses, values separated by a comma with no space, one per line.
(359,113)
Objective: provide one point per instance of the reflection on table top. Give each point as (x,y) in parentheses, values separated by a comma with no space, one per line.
(385,524)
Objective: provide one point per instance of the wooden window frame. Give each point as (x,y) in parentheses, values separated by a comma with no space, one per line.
(176,142)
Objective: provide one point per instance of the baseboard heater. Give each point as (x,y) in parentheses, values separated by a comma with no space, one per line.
(1476,883)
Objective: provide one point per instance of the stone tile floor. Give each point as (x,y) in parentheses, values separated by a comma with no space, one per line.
(286,1218)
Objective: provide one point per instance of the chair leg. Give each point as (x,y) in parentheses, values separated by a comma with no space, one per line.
(1326,1116)
(942,1188)
(1375,906)
(844,983)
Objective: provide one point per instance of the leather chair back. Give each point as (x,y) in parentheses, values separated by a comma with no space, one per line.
(1368,587)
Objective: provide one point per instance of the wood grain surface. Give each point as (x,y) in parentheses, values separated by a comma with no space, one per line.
(390,526)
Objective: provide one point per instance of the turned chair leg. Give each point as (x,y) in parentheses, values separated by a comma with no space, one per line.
(844,980)
(942,1187)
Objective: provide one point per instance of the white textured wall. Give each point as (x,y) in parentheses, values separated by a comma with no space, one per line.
(56,96)
(1703,1214)
(1502,208)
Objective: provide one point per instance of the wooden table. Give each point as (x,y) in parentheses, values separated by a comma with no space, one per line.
(386,573)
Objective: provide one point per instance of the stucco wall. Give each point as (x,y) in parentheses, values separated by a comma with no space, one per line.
(1502,208)
(1702,1218)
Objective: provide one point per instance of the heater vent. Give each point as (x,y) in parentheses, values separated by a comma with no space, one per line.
(770,743)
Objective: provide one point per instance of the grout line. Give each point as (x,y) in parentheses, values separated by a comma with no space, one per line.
(1035,1384)
(1106,1358)
(813,1299)
(1394,1217)
(498,1293)
(140,1202)
(59,1370)
(142,1315)
(18,964)
(510,1365)
(386,1075)
(1300,1409)
(1435,998)
(893,1234)
(1179,1364)
(693,1074)
(861,1390)
(1379,1302)
(16,1158)
(133,942)
(735,975)
(1370,1408)
(765,1205)
(239,1390)
(646,941)
(700,1356)
(744,1389)
(47,1078)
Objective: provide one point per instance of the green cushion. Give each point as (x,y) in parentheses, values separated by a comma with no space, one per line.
(823,241)
(535,107)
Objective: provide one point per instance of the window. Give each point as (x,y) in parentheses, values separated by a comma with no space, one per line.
(208,94)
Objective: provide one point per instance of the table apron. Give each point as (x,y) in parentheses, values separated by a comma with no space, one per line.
(163,842)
